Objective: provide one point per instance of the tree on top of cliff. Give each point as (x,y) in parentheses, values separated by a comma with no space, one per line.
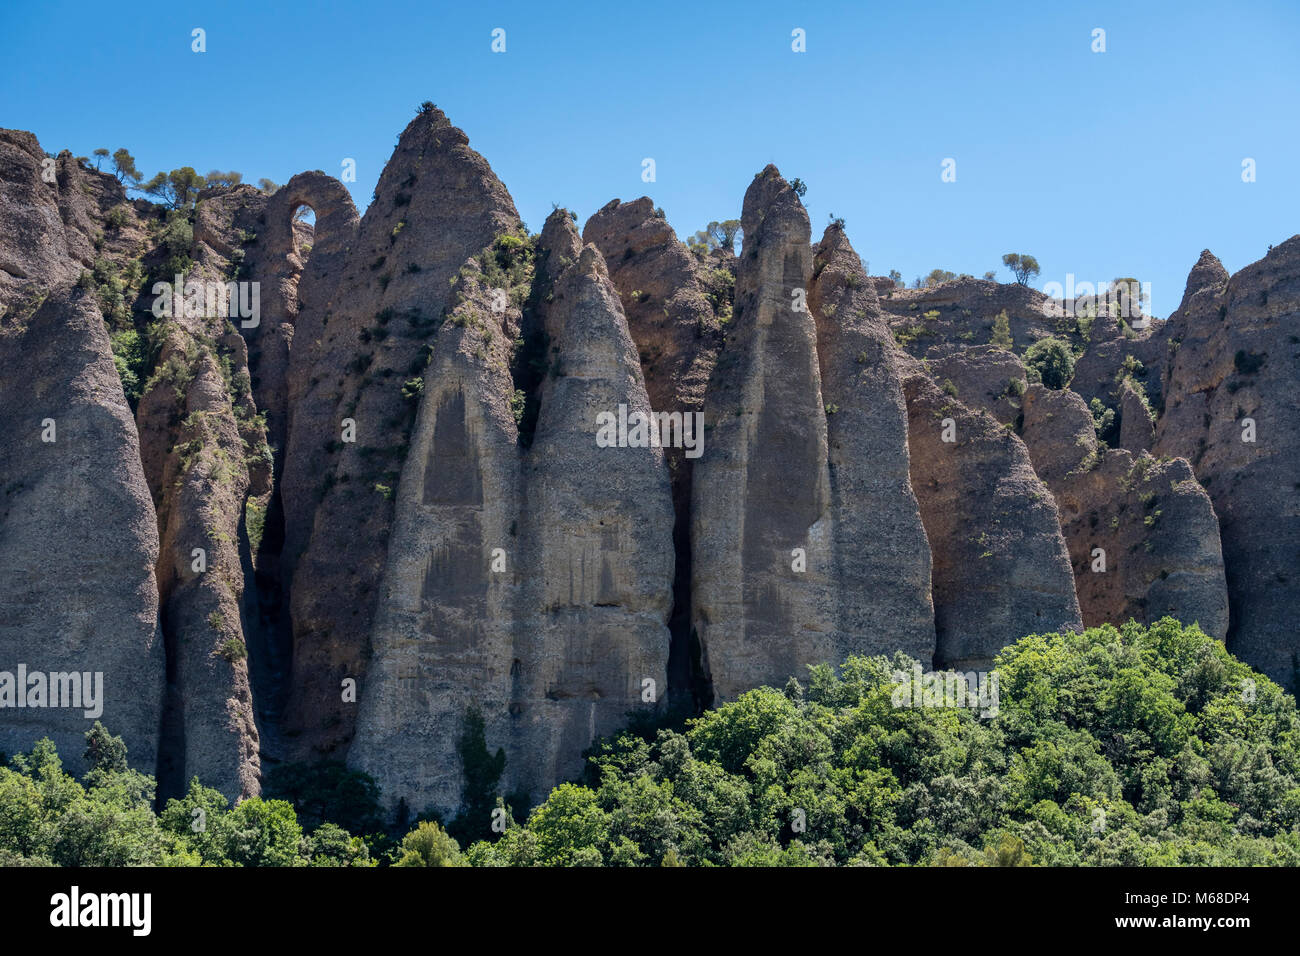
(177,189)
(124,166)
(1024,267)
(935,277)
(218,178)
(725,233)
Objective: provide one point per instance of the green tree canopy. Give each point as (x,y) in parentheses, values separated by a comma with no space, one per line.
(177,189)
(217,178)
(936,277)
(1118,746)
(1002,332)
(430,845)
(124,166)
(1128,291)
(1053,361)
(1023,267)
(1138,746)
(725,233)
(104,752)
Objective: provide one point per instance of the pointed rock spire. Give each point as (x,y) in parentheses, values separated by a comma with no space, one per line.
(880,567)
(1207,279)
(77,587)
(437,204)
(760,529)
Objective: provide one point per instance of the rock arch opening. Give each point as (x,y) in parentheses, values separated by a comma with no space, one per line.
(310,222)
(302,226)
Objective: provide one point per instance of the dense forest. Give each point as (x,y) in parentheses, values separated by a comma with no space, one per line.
(1132,746)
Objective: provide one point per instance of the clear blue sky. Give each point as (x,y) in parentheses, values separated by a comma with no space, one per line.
(1100,164)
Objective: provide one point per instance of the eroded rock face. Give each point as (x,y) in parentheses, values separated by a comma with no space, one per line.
(77,537)
(203,446)
(46,241)
(532,584)
(1236,359)
(676,331)
(986,378)
(598,535)
(674,311)
(880,564)
(962,313)
(210,714)
(762,487)
(475,549)
(1142,534)
(437,204)
(1137,430)
(1108,365)
(1000,564)
(277,261)
(443,639)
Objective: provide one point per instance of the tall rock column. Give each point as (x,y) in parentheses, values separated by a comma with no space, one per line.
(1232,409)
(443,641)
(677,329)
(209,726)
(599,527)
(78,540)
(760,529)
(358,339)
(45,242)
(880,568)
(531,585)
(203,448)
(277,262)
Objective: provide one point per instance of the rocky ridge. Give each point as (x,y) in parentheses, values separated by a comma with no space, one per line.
(407,525)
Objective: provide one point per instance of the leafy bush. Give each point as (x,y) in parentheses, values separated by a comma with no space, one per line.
(936,277)
(130,359)
(412,389)
(116,218)
(254,524)
(429,845)
(177,241)
(1053,360)
(328,792)
(720,290)
(1103,421)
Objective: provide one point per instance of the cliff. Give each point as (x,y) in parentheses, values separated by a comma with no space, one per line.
(449,471)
